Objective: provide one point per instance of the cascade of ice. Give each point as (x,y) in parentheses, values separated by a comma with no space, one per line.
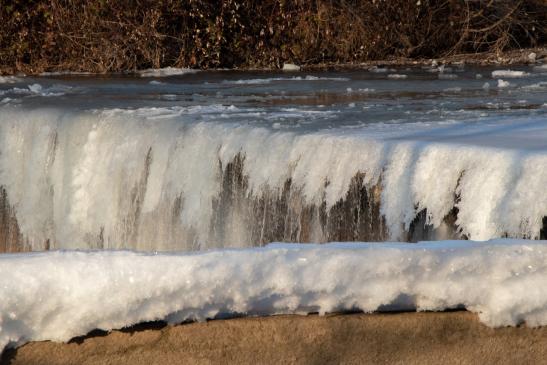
(154,179)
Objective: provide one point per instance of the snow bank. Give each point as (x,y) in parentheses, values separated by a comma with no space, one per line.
(59,295)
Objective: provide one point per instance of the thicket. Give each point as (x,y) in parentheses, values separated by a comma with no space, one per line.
(117,35)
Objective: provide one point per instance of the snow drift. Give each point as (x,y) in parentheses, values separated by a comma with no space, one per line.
(57,295)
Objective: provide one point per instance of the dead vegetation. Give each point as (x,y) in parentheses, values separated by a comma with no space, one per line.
(118,35)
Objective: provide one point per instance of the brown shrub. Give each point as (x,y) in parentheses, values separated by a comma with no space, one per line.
(117,35)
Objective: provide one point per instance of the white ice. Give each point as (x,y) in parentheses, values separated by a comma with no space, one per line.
(445,76)
(290,67)
(9,79)
(59,295)
(72,175)
(166,71)
(397,76)
(509,74)
(268,80)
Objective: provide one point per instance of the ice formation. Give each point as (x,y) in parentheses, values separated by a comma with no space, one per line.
(9,79)
(75,292)
(268,80)
(509,74)
(166,71)
(152,178)
(503,83)
(397,76)
(290,67)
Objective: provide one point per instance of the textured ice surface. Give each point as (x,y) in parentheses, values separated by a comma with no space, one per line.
(59,295)
(67,173)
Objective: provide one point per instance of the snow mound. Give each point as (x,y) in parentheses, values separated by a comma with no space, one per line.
(166,71)
(77,291)
(509,74)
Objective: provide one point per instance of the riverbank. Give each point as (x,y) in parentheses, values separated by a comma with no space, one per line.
(525,56)
(410,338)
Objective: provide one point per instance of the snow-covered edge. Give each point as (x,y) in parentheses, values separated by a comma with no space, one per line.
(62,294)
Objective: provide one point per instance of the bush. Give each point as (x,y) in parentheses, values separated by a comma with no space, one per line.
(118,35)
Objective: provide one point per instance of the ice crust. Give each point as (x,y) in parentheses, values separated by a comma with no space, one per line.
(9,79)
(509,74)
(58,295)
(268,80)
(74,174)
(166,71)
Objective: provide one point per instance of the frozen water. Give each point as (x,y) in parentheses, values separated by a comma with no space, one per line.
(166,71)
(509,74)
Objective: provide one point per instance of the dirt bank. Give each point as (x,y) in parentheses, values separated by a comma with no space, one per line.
(410,338)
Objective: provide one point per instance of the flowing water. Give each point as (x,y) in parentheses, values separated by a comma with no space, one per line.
(235,159)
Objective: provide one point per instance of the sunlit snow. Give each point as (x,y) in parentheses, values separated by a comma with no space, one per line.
(59,295)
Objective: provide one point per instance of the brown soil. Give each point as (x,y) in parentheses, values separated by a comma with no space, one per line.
(409,338)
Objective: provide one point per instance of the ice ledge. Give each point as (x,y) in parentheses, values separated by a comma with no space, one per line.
(58,295)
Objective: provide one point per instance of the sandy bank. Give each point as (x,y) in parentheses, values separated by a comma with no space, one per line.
(417,338)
